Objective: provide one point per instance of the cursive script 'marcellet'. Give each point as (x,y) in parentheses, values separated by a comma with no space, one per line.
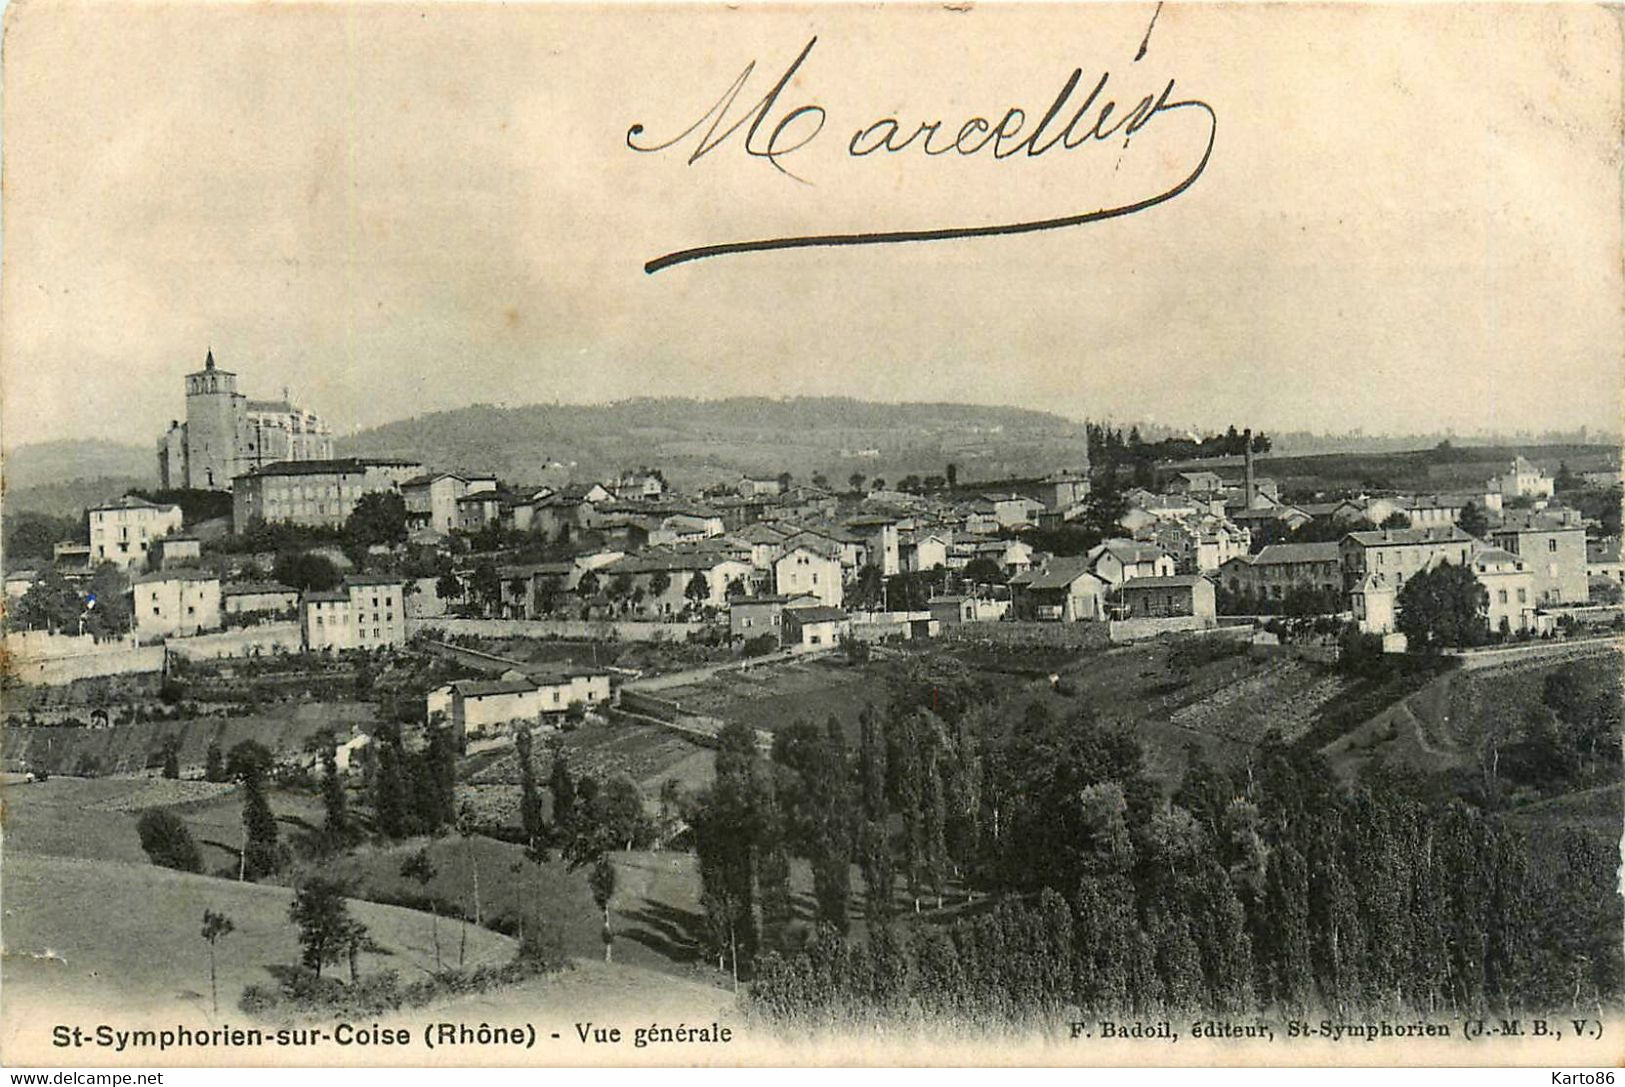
(774,134)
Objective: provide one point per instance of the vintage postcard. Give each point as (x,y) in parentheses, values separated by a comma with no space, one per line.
(683,534)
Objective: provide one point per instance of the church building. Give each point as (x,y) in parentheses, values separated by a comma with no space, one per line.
(227,435)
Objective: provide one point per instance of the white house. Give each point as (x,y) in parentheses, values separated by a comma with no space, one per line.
(175,603)
(1522,479)
(803,571)
(122,532)
(368,611)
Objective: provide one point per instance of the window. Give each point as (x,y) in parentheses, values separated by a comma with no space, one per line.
(1502,596)
(1523,596)
(1551,544)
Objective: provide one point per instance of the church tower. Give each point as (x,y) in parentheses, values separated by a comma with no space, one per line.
(216,419)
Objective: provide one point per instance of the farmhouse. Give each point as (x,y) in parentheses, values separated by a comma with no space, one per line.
(815,627)
(1178,596)
(473,707)
(1117,561)
(431,502)
(175,602)
(1195,483)
(1510,587)
(752,616)
(803,570)
(1062,591)
(1554,547)
(1522,479)
(260,598)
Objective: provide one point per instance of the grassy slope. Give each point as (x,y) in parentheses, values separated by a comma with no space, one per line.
(129,748)
(127,933)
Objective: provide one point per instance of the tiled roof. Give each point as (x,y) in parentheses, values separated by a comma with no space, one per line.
(1275,554)
(131,502)
(374,579)
(339,466)
(1402,536)
(1172,581)
(175,575)
(256,588)
(476,688)
(1057,574)
(817,615)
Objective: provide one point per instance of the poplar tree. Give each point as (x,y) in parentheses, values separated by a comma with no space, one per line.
(530,801)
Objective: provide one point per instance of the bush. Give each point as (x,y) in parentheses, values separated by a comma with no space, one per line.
(167,842)
(760,646)
(1188,654)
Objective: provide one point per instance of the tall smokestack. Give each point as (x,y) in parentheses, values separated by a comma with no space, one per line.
(1251,493)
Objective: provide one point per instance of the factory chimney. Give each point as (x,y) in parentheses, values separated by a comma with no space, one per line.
(1251,493)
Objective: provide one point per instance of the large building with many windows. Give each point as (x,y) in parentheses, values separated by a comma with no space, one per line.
(226,434)
(367,611)
(314,492)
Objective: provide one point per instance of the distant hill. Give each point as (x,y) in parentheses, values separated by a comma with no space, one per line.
(700,441)
(47,463)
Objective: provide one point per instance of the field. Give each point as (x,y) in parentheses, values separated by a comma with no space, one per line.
(776,696)
(126,934)
(89,919)
(130,748)
(1460,469)
(1444,725)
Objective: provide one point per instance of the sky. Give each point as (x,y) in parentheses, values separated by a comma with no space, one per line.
(1409,219)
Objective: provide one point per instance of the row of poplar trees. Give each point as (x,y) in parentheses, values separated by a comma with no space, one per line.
(1068,880)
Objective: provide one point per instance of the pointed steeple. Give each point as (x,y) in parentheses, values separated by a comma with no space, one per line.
(208,363)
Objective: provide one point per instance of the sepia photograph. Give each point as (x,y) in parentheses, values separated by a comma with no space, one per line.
(800,534)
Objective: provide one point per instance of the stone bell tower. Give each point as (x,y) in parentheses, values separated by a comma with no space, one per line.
(216,419)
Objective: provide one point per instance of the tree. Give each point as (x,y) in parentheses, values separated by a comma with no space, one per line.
(530,799)
(389,784)
(1443,607)
(167,842)
(420,868)
(659,582)
(325,926)
(172,757)
(49,604)
(214,763)
(334,803)
(953,475)
(215,927)
(984,571)
(602,881)
(485,585)
(250,763)
(305,571)
(1473,521)
(30,535)
(448,587)
(107,602)
(1106,506)
(379,517)
(563,788)
(587,587)
(855,481)
(1565,480)
(698,589)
